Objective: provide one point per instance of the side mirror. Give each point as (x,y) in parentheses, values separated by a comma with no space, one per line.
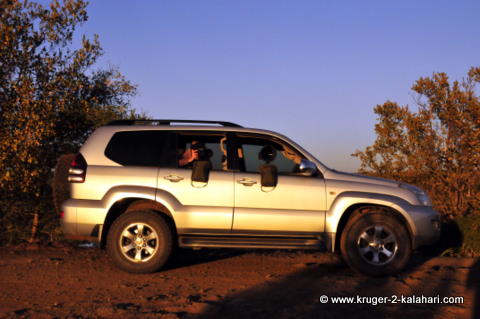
(307,168)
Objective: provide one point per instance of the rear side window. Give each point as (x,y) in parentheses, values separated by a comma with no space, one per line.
(142,148)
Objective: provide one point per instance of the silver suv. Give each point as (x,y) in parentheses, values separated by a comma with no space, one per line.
(140,188)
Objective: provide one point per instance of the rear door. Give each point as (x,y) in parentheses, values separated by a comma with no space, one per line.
(203,207)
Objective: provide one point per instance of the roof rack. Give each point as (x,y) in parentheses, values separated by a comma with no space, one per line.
(169,122)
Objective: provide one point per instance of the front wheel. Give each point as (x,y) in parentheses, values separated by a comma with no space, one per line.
(376,244)
(140,241)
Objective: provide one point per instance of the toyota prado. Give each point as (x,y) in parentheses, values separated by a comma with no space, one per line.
(142,187)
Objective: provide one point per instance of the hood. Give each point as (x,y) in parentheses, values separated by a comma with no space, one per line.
(353,177)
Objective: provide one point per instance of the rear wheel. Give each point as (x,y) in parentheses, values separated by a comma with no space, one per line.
(376,244)
(140,241)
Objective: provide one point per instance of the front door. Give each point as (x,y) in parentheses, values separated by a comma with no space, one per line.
(295,205)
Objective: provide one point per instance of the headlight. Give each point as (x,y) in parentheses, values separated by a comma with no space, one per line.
(419,193)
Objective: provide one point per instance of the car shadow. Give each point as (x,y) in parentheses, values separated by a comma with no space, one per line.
(298,295)
(184,257)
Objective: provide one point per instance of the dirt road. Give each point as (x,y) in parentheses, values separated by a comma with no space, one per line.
(81,283)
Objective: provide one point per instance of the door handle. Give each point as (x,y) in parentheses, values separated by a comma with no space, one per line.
(246,181)
(173,178)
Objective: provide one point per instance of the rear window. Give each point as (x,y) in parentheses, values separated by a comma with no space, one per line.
(142,148)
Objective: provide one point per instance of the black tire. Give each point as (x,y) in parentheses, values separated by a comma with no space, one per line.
(146,252)
(376,243)
(60,184)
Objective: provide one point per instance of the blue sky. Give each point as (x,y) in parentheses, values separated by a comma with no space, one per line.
(312,70)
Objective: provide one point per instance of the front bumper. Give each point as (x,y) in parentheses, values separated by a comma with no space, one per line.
(427,223)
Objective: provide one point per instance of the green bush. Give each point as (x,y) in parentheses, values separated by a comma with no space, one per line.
(470,228)
(51,98)
(460,237)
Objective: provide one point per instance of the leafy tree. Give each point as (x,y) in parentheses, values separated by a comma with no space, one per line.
(437,147)
(50,100)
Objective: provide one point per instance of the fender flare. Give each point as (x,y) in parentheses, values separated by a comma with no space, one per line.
(346,200)
(124,195)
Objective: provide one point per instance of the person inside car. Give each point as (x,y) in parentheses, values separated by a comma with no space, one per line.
(190,154)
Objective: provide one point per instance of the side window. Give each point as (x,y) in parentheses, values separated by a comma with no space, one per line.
(193,147)
(142,148)
(251,156)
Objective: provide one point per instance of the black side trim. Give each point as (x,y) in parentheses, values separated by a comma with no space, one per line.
(252,242)
(247,233)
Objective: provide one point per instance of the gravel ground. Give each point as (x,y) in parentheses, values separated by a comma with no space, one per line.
(73,282)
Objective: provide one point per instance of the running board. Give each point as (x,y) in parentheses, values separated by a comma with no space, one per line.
(251,242)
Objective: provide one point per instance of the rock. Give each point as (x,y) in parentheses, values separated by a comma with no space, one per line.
(212,299)
(194,298)
(33,247)
(127,306)
(157,297)
(105,311)
(42,315)
(197,307)
(21,312)
(202,291)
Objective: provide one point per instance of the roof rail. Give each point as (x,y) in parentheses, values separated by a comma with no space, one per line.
(169,122)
